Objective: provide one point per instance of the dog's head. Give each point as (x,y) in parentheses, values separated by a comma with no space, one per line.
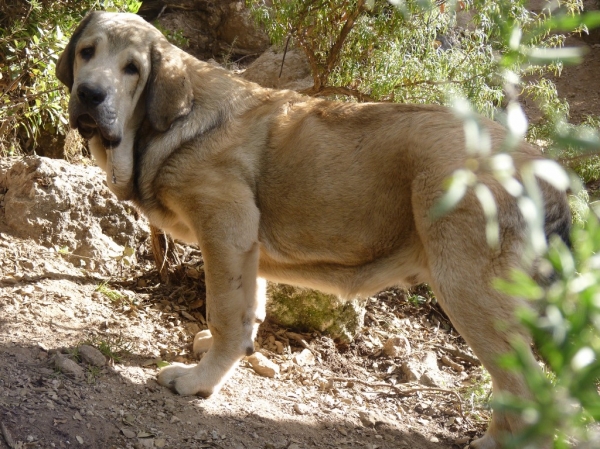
(120,70)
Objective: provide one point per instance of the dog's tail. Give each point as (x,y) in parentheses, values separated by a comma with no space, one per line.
(558,214)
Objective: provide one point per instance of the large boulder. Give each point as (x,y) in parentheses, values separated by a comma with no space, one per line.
(267,70)
(67,207)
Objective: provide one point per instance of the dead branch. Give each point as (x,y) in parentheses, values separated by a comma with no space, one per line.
(335,90)
(334,53)
(460,354)
(402,391)
(7,436)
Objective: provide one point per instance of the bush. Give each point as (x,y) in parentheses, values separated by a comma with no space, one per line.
(33,104)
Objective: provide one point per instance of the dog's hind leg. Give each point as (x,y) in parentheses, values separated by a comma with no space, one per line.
(462,267)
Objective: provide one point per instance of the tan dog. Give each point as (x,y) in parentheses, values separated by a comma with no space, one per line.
(328,195)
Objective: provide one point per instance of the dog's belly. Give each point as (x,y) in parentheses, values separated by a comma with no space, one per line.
(406,266)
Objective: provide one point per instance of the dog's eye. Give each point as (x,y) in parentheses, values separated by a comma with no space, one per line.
(131,69)
(87,53)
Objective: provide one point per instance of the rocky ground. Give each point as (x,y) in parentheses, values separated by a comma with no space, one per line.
(85,322)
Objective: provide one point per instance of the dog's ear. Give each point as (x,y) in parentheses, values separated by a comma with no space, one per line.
(64,66)
(170,94)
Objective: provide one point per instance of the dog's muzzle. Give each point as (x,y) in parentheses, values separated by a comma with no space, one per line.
(92,113)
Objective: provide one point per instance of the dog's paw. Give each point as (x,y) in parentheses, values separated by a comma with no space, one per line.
(485,442)
(185,380)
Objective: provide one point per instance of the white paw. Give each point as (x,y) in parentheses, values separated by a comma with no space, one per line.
(186,380)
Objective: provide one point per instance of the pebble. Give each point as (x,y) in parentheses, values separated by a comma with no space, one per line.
(301,409)
(367,419)
(128,433)
(192,328)
(304,358)
(397,346)
(202,342)
(92,356)
(262,365)
(68,367)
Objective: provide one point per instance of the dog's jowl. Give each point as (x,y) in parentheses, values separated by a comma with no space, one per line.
(272,184)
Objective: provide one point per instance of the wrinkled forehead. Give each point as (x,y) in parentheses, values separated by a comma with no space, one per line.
(120,31)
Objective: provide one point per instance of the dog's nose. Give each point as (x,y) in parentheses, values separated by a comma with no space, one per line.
(90,95)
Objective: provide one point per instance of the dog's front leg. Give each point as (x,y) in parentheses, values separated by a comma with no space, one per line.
(235,302)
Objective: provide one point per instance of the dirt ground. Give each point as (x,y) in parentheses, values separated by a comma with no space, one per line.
(354,396)
(49,307)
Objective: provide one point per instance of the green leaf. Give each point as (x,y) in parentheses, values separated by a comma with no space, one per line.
(552,173)
(545,56)
(520,285)
(459,182)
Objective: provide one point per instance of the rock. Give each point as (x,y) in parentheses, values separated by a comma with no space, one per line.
(191,329)
(262,365)
(239,30)
(424,369)
(128,433)
(310,310)
(68,367)
(202,342)
(145,442)
(304,358)
(397,346)
(295,75)
(92,356)
(301,409)
(68,206)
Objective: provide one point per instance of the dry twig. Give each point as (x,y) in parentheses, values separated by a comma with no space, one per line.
(7,436)
(403,391)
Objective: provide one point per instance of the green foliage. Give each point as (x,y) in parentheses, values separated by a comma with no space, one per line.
(111,294)
(416,53)
(32,36)
(111,346)
(567,335)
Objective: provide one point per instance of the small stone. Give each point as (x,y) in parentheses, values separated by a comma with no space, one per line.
(68,367)
(79,439)
(262,365)
(128,433)
(202,342)
(92,356)
(397,346)
(160,442)
(146,442)
(449,422)
(175,419)
(367,419)
(434,440)
(202,434)
(192,329)
(279,349)
(301,409)
(304,358)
